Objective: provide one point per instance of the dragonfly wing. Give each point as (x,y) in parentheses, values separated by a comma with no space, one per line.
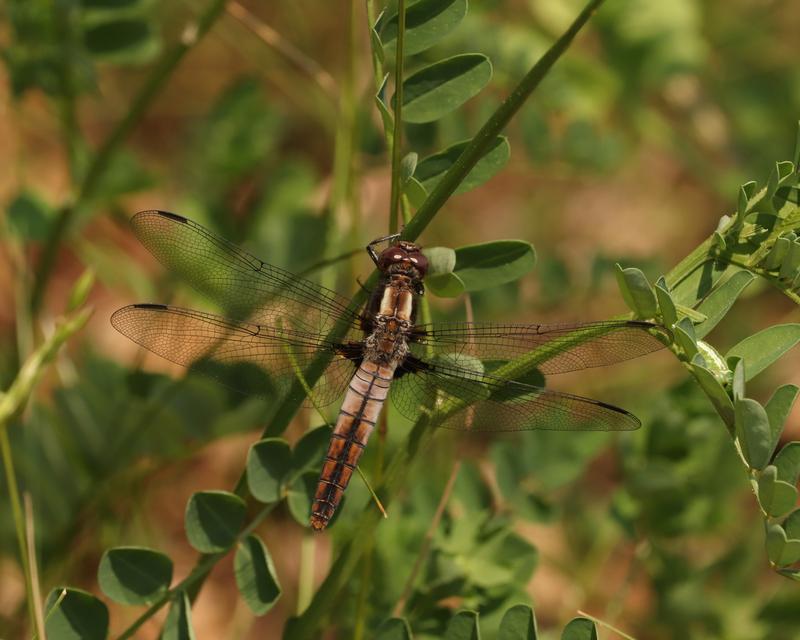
(246,287)
(555,348)
(251,358)
(469,400)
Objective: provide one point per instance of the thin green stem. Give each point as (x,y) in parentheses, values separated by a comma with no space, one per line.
(305,580)
(19,520)
(205,563)
(622,634)
(480,144)
(397,137)
(105,155)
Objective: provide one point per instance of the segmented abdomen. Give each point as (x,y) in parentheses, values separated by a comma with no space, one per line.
(360,410)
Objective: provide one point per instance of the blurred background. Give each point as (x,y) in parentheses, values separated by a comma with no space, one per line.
(265,130)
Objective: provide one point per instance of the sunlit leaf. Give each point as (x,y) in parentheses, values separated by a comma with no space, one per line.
(781,550)
(433,168)
(134,575)
(765,347)
(255,575)
(636,291)
(269,462)
(788,463)
(720,300)
(213,520)
(490,264)
(438,89)
(76,615)
(519,623)
(178,625)
(427,22)
(579,629)
(775,496)
(753,432)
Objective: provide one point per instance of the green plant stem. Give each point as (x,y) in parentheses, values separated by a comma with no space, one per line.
(103,158)
(622,634)
(480,144)
(397,137)
(305,582)
(205,563)
(11,402)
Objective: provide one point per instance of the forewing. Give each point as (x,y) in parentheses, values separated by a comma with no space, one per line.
(469,400)
(555,348)
(252,358)
(246,287)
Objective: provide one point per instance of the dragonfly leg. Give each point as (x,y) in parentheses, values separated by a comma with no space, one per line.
(371,251)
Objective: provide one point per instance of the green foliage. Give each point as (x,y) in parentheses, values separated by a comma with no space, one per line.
(255,575)
(213,520)
(72,614)
(134,575)
(110,427)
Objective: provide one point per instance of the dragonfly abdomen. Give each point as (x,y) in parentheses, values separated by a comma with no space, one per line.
(360,410)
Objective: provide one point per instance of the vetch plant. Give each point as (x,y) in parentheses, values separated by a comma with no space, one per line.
(469,556)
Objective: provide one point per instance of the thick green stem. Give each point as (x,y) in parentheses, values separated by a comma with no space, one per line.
(397,137)
(104,156)
(480,144)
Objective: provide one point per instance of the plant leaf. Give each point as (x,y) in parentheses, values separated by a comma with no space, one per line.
(438,89)
(463,626)
(778,408)
(301,495)
(579,629)
(427,22)
(445,285)
(666,307)
(752,430)
(78,616)
(490,264)
(781,550)
(518,623)
(432,169)
(637,292)
(178,625)
(134,575)
(268,465)
(788,463)
(122,41)
(309,450)
(255,575)
(765,347)
(440,260)
(684,336)
(394,629)
(213,520)
(775,496)
(720,300)
(716,393)
(792,525)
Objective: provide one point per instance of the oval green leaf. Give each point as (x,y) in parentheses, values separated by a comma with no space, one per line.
(490,264)
(268,465)
(178,625)
(463,626)
(518,623)
(752,430)
(440,260)
(74,614)
(788,463)
(716,393)
(427,22)
(778,408)
(781,550)
(438,89)
(720,300)
(134,575)
(765,347)
(445,285)
(310,449)
(792,525)
(394,629)
(579,629)
(776,497)
(213,520)
(432,169)
(684,336)
(126,41)
(300,496)
(637,292)
(666,307)
(255,575)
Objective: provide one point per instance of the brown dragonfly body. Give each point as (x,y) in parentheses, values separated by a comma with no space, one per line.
(276,327)
(391,314)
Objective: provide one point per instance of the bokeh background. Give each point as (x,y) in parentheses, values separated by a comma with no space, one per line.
(266,131)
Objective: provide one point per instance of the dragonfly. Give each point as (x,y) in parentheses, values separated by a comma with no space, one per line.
(467,376)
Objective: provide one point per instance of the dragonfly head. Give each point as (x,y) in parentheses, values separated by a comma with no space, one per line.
(403,257)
